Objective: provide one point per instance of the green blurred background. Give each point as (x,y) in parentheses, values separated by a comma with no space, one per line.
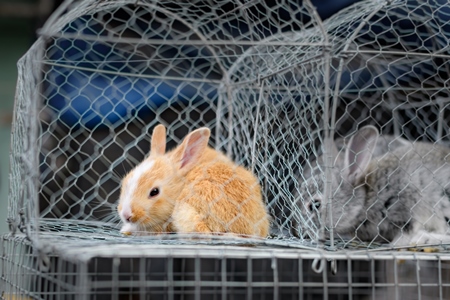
(19,21)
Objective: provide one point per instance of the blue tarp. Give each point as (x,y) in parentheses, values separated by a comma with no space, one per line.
(92,98)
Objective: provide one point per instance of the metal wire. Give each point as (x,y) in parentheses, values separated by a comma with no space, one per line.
(210,271)
(283,89)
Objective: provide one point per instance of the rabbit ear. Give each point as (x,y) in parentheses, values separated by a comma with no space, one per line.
(359,152)
(193,146)
(158,145)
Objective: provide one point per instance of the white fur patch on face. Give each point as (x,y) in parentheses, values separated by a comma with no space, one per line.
(132,185)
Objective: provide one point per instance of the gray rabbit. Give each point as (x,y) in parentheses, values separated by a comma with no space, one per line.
(400,197)
(385,144)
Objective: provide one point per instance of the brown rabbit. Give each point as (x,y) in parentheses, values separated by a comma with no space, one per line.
(192,188)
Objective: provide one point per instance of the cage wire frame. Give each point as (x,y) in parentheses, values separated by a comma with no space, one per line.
(59,251)
(28,213)
(346,49)
(290,50)
(185,272)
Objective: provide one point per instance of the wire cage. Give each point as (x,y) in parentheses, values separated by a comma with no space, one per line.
(211,272)
(285,87)
(370,64)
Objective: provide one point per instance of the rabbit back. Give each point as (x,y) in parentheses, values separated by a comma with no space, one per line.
(408,191)
(385,197)
(220,197)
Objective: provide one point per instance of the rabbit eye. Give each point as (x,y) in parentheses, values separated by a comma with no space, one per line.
(154,192)
(314,205)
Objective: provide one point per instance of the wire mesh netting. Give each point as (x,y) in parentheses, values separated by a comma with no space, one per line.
(207,272)
(106,75)
(271,90)
(333,122)
(367,65)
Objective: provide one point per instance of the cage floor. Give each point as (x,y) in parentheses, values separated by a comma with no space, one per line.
(87,233)
(101,266)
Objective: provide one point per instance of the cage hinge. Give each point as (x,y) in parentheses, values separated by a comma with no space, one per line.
(17,224)
(13,225)
(318,265)
(21,226)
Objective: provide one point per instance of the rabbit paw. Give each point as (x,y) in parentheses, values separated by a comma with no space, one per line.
(187,220)
(422,237)
(128,229)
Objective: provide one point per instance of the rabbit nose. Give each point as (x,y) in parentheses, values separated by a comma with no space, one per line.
(127,216)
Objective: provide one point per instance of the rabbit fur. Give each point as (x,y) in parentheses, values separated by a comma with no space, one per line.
(401,197)
(192,188)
